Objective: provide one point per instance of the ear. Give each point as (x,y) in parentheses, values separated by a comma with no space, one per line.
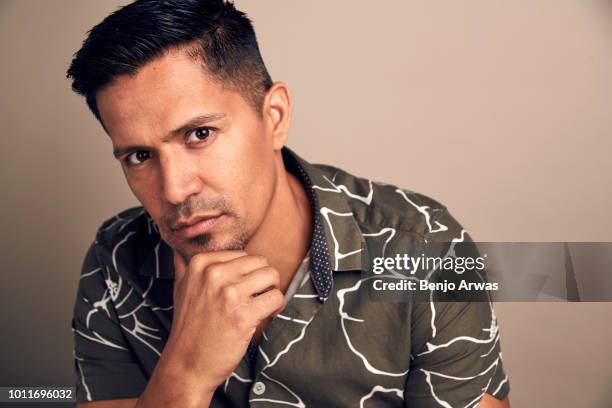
(277,113)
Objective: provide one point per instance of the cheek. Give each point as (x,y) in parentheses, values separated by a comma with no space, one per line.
(253,179)
(139,188)
(145,191)
(258,187)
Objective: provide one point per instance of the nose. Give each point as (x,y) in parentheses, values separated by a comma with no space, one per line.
(180,179)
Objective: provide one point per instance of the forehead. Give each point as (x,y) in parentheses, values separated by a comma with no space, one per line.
(161,95)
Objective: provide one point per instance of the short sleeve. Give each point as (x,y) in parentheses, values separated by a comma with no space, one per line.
(104,363)
(455,352)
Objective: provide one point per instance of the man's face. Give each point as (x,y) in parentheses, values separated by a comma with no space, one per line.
(191,150)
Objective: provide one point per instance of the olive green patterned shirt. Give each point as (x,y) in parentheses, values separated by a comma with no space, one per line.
(332,346)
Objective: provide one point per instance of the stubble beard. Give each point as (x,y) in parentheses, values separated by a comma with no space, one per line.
(237,240)
(234,237)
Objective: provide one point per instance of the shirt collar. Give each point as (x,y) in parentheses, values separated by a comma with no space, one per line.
(337,242)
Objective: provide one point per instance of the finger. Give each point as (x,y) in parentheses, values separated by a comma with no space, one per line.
(258,281)
(239,267)
(267,304)
(200,262)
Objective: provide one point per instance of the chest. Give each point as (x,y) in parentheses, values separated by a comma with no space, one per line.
(334,354)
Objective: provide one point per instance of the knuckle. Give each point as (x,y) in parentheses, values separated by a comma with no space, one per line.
(198,262)
(276,275)
(260,259)
(214,272)
(229,294)
(277,298)
(273,275)
(198,256)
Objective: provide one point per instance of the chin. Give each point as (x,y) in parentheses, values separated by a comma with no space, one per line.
(211,243)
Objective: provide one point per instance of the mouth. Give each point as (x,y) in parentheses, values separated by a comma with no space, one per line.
(195,225)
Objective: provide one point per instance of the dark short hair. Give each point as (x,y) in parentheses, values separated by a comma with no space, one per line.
(214,32)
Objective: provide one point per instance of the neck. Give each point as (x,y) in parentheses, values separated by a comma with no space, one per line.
(285,233)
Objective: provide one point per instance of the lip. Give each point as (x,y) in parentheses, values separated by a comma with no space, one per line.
(196,225)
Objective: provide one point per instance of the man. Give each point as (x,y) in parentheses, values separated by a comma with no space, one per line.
(238,281)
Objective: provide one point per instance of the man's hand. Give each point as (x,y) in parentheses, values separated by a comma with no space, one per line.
(219,300)
(489,401)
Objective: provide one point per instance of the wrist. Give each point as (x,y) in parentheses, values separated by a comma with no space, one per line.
(172,384)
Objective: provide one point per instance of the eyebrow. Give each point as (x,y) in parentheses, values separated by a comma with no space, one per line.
(195,122)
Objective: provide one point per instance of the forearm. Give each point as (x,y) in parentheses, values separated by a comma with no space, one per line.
(173,386)
(489,401)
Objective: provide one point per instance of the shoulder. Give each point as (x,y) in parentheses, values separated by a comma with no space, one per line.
(126,237)
(377,205)
(134,220)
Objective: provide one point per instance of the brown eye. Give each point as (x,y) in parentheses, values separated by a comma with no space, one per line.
(138,157)
(199,135)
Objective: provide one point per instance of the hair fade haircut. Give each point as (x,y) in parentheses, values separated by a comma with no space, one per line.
(212,32)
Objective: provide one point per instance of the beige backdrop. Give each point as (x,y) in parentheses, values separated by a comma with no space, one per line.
(500,110)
